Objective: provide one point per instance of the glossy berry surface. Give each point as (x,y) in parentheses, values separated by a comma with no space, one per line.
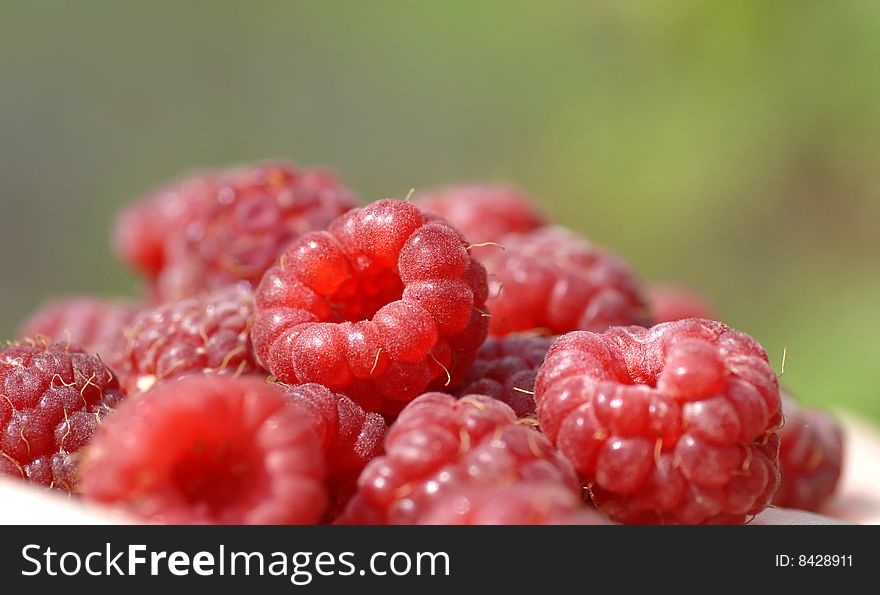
(381,306)
(206,334)
(554,281)
(439,446)
(674,424)
(536,503)
(810,456)
(208,449)
(52,399)
(350,437)
(506,368)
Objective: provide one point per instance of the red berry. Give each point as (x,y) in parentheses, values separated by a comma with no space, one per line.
(439,446)
(670,303)
(525,503)
(554,280)
(505,370)
(212,230)
(204,334)
(96,325)
(144,229)
(381,306)
(676,424)
(482,212)
(810,457)
(209,450)
(350,437)
(52,398)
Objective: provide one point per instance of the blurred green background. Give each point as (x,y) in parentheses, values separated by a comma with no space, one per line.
(730,146)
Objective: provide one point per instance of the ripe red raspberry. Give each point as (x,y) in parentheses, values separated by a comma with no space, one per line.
(381,306)
(810,457)
(209,450)
(439,446)
(350,437)
(214,229)
(554,280)
(506,368)
(670,303)
(527,503)
(52,398)
(676,424)
(205,334)
(143,230)
(95,325)
(482,212)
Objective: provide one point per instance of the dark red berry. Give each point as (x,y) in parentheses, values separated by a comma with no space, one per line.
(349,436)
(553,280)
(675,424)
(670,303)
(527,503)
(506,368)
(381,306)
(440,446)
(810,456)
(207,334)
(482,212)
(52,398)
(209,450)
(96,325)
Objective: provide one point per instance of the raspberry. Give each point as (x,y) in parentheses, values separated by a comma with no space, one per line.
(552,279)
(810,457)
(505,370)
(96,325)
(52,398)
(676,424)
(204,334)
(256,213)
(143,230)
(214,229)
(209,450)
(439,446)
(520,504)
(482,212)
(350,437)
(670,303)
(381,306)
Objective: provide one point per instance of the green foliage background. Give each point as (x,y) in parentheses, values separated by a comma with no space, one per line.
(731,146)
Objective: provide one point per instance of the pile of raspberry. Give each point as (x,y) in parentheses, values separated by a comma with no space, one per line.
(294,357)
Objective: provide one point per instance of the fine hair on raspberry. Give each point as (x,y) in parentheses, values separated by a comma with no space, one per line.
(673,424)
(96,325)
(440,446)
(506,368)
(52,399)
(484,213)
(383,305)
(204,334)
